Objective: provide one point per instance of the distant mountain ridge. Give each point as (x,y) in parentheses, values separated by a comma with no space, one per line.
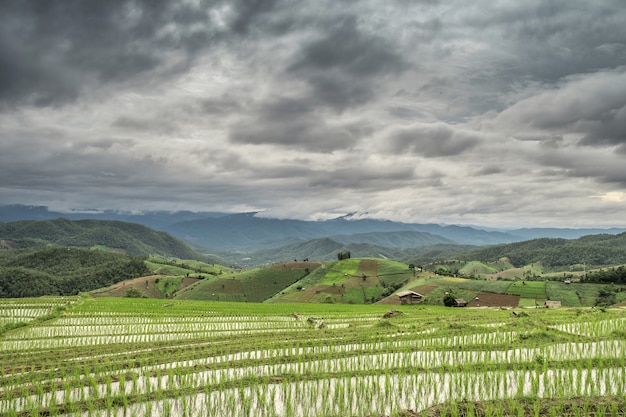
(597,250)
(249,232)
(131,238)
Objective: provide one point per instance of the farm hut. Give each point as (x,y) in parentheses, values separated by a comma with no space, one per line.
(553,304)
(459,302)
(410,297)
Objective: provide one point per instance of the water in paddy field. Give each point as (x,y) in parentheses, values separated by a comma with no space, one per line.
(342,396)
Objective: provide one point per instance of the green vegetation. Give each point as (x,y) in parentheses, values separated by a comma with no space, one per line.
(64,271)
(168,286)
(528,289)
(130,238)
(253,285)
(592,250)
(121,356)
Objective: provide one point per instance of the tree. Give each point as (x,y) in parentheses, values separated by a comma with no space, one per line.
(449,300)
(343,255)
(133,293)
(606,297)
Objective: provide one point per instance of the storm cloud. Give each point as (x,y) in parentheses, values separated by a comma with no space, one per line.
(501,114)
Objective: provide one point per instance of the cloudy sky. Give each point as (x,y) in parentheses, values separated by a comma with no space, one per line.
(498,113)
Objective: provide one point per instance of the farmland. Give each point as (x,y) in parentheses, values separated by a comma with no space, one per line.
(350,281)
(154,357)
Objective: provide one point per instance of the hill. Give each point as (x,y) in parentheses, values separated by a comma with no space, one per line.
(592,250)
(130,238)
(321,250)
(401,239)
(367,280)
(349,281)
(63,271)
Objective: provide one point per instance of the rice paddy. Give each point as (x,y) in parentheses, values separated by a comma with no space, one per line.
(148,357)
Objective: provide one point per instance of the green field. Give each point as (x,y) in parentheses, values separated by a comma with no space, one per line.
(342,282)
(528,289)
(141,357)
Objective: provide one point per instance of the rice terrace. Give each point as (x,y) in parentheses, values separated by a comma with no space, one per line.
(82,356)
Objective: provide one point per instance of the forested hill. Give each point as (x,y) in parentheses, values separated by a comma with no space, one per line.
(130,238)
(592,250)
(64,271)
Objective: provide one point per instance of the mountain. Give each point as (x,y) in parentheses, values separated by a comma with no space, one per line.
(131,238)
(153,219)
(402,239)
(591,250)
(564,233)
(249,232)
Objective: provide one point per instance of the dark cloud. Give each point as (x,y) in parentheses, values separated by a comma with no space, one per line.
(432,141)
(593,107)
(547,41)
(346,47)
(412,110)
(304,132)
(341,65)
(51,50)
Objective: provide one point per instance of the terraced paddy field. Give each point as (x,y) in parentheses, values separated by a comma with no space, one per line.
(147,357)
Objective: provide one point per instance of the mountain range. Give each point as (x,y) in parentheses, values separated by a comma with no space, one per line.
(249,232)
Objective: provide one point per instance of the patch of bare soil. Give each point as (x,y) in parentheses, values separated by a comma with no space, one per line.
(225,286)
(489,299)
(368,267)
(296,265)
(424,289)
(143,284)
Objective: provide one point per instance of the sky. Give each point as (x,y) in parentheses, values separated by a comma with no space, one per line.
(500,113)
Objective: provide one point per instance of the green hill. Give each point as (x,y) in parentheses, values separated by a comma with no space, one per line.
(253,285)
(592,250)
(64,271)
(130,238)
(349,281)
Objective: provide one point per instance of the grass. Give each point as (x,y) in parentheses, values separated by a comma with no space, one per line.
(528,289)
(167,286)
(476,268)
(565,293)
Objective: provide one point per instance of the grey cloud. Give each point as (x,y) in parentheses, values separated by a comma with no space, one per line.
(296,123)
(364,177)
(389,108)
(219,106)
(432,140)
(592,106)
(157,125)
(489,170)
(346,47)
(51,50)
(550,40)
(308,133)
(339,66)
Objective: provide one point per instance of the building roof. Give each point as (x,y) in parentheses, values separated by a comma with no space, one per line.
(405,293)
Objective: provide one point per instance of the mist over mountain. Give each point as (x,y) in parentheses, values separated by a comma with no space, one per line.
(248,232)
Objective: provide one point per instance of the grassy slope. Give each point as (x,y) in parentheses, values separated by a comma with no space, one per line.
(342,282)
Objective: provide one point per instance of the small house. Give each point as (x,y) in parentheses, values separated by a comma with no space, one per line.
(459,302)
(410,297)
(553,304)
